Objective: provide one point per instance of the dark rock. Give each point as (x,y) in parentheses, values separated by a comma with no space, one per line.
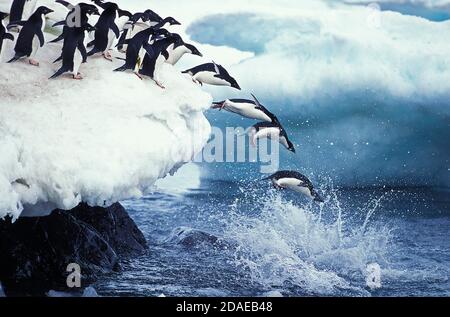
(35,252)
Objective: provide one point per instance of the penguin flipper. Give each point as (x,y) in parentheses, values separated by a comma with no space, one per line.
(121,69)
(64,3)
(59,38)
(115,29)
(40,36)
(83,52)
(149,49)
(60,23)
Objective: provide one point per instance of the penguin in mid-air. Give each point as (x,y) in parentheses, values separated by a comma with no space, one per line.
(4,35)
(295,181)
(74,51)
(21,10)
(31,37)
(106,31)
(251,109)
(270,130)
(176,52)
(212,74)
(152,64)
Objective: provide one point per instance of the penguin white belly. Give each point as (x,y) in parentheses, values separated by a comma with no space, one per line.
(209,78)
(159,62)
(248,110)
(289,182)
(77,60)
(284,142)
(269,133)
(176,54)
(141,56)
(111,39)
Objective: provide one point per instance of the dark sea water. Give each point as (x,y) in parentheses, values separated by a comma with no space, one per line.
(236,239)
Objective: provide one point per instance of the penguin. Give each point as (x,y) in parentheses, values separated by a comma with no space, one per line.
(176,52)
(21,10)
(270,130)
(138,47)
(251,109)
(295,181)
(139,18)
(31,37)
(3,34)
(85,10)
(74,51)
(212,74)
(151,65)
(106,31)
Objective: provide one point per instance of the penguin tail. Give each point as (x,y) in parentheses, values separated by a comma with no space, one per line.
(61,71)
(185,72)
(93,51)
(58,59)
(121,58)
(59,38)
(121,69)
(15,58)
(90,44)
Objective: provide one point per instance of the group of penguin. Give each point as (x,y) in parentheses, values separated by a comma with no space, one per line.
(147,45)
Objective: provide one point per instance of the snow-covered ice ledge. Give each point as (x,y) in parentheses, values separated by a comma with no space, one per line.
(106,138)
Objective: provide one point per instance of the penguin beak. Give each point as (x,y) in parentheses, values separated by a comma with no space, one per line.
(218,105)
(175,22)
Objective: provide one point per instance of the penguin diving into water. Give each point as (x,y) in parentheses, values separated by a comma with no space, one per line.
(106,31)
(176,52)
(212,74)
(21,10)
(31,37)
(4,35)
(74,51)
(251,109)
(270,130)
(295,181)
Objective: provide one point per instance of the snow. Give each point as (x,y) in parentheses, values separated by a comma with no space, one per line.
(100,140)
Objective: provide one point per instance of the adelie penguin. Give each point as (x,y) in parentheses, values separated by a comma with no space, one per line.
(176,52)
(251,109)
(295,181)
(138,47)
(3,34)
(270,130)
(106,31)
(73,52)
(212,74)
(31,37)
(20,10)
(151,66)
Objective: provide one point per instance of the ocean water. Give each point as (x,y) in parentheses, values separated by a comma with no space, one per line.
(246,239)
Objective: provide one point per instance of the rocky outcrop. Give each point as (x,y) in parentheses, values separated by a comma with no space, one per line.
(35,252)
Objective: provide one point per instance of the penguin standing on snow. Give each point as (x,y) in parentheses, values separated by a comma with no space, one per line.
(251,109)
(152,64)
(270,130)
(73,52)
(176,52)
(3,34)
(138,46)
(106,31)
(212,74)
(295,181)
(20,10)
(31,37)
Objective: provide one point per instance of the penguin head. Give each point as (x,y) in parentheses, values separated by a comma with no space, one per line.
(161,32)
(317,197)
(194,50)
(171,21)
(89,9)
(42,10)
(3,15)
(233,83)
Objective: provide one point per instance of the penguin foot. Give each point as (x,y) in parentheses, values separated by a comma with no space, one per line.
(108,56)
(78,76)
(160,85)
(33,62)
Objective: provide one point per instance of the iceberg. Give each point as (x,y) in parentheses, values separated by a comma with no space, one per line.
(103,139)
